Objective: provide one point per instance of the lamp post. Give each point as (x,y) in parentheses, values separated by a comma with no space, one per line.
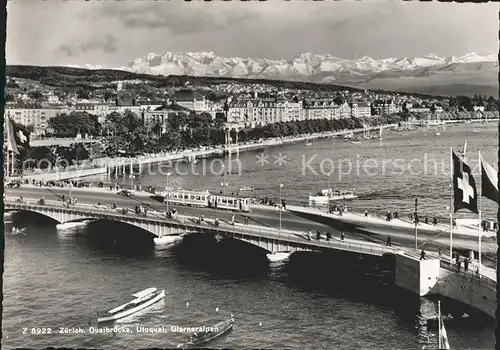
(168,174)
(280,206)
(329,189)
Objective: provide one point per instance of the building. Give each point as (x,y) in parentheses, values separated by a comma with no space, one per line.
(258,112)
(320,109)
(384,107)
(191,100)
(101,110)
(35,117)
(360,109)
(161,115)
(344,108)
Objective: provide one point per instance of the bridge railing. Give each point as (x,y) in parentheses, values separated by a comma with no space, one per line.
(473,275)
(190,223)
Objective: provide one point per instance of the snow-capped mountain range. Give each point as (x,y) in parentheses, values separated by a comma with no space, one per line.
(306,67)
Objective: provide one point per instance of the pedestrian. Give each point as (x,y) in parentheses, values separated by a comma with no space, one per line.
(318,235)
(246,220)
(328,235)
(439,252)
(342,236)
(396,215)
(466,264)
(426,220)
(388,244)
(308,235)
(422,255)
(366,212)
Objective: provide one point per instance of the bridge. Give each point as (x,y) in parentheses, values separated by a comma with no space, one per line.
(434,275)
(158,224)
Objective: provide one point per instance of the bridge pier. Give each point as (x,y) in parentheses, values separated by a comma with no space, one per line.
(417,276)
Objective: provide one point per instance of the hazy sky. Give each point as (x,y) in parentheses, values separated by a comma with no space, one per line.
(113,33)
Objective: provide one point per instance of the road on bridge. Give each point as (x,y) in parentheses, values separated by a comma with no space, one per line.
(266,217)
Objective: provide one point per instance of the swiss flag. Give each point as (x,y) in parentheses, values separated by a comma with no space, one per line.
(17,137)
(464,186)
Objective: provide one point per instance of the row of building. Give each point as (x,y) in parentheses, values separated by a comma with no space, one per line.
(254,112)
(37,116)
(246,112)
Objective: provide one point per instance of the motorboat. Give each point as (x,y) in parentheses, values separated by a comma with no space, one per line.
(143,299)
(329,195)
(167,239)
(247,188)
(16,231)
(209,334)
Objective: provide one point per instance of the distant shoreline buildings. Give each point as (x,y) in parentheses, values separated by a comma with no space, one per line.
(241,105)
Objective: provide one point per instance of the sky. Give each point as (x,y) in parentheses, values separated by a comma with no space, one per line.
(113,33)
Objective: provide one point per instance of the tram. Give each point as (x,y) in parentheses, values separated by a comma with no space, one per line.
(206,200)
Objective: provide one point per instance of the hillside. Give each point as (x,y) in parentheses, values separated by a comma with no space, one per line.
(101,78)
(74,78)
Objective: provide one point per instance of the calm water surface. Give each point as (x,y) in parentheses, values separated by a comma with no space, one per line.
(59,279)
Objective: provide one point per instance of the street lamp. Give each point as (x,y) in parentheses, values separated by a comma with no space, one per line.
(280,206)
(329,189)
(168,174)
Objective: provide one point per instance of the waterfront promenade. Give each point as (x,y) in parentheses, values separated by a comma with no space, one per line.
(107,165)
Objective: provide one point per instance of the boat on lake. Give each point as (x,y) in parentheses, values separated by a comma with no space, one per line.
(247,188)
(329,195)
(209,334)
(143,299)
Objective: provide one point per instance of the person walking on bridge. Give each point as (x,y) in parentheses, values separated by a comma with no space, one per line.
(308,235)
(388,243)
(422,255)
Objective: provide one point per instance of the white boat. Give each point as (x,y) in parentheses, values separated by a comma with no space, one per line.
(247,188)
(167,239)
(143,299)
(16,231)
(74,224)
(328,195)
(308,143)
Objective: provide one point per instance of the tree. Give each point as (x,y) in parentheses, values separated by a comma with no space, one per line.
(65,125)
(35,95)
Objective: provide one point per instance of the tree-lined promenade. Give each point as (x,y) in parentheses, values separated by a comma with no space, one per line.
(127,135)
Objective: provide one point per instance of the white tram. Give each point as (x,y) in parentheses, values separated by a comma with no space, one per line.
(190,198)
(229,202)
(207,200)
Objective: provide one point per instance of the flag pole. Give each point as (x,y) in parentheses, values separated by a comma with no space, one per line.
(416,222)
(451,205)
(440,345)
(479,211)
(12,164)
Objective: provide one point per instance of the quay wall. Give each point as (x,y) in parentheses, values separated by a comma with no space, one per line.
(467,289)
(62,175)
